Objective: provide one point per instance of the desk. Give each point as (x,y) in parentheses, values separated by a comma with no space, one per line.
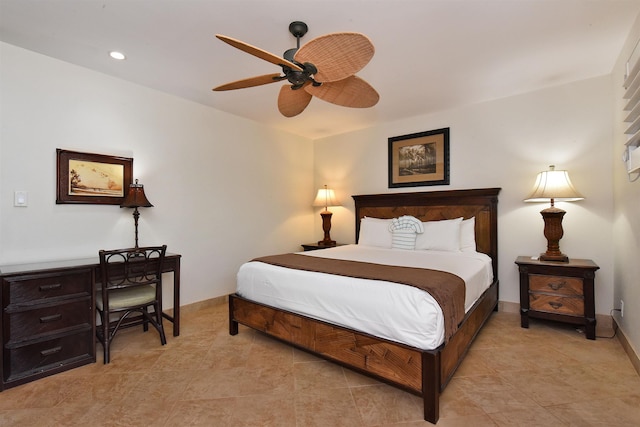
(47,317)
(171,265)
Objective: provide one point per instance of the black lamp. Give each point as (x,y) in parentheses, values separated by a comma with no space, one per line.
(136,198)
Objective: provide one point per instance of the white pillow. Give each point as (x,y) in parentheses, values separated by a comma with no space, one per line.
(468,235)
(375,232)
(441,235)
(403,232)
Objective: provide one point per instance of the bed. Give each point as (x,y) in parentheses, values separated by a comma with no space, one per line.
(424,372)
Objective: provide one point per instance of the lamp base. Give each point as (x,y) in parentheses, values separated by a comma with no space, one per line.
(553,232)
(136,215)
(554,258)
(326,227)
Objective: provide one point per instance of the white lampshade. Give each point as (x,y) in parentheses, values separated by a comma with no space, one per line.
(325,197)
(553,185)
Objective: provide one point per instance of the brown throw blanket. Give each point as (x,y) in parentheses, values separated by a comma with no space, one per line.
(446,288)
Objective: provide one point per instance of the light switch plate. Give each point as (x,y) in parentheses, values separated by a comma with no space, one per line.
(20,198)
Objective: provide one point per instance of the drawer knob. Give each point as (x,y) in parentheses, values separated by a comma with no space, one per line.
(52,318)
(555,305)
(52,287)
(557,285)
(50,351)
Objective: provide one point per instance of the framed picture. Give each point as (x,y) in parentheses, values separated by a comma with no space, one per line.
(419,159)
(96,179)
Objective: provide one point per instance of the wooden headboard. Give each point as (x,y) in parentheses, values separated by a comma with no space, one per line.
(437,205)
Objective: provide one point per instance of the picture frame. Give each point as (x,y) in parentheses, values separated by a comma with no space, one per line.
(419,159)
(86,178)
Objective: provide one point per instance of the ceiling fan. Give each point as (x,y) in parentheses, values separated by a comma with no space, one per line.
(324,67)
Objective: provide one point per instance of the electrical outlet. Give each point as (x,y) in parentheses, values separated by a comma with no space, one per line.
(621,308)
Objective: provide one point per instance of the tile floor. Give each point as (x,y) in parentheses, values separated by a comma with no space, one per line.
(547,375)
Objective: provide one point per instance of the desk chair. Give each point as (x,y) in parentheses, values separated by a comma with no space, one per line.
(131,282)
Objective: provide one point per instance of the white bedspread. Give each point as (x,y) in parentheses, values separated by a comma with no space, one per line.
(396,312)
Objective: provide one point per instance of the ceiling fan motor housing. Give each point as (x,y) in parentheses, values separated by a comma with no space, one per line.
(299,78)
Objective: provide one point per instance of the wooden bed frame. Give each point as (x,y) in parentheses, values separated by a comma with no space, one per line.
(422,372)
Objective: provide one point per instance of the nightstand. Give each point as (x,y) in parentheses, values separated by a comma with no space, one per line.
(561,291)
(316,246)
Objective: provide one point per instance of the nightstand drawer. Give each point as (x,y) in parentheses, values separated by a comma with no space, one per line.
(561,285)
(556,304)
(44,319)
(31,289)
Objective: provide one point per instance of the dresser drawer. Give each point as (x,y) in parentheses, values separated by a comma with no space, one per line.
(43,319)
(22,361)
(560,285)
(30,289)
(556,304)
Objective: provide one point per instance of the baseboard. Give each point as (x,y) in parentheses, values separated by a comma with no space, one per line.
(190,308)
(628,348)
(509,307)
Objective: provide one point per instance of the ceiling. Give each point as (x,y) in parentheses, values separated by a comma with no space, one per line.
(430,55)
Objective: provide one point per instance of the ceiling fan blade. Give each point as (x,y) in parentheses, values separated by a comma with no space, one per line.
(250,82)
(256,51)
(292,102)
(337,55)
(350,92)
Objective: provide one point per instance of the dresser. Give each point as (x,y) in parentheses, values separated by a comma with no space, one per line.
(47,324)
(560,291)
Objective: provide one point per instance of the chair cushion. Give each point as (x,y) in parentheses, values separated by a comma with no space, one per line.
(128,297)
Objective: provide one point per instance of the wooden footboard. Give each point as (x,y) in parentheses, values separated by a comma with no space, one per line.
(390,361)
(421,372)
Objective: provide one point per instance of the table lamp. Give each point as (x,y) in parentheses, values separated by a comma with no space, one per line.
(136,198)
(552,186)
(326,197)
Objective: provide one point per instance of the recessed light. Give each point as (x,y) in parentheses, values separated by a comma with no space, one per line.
(117,55)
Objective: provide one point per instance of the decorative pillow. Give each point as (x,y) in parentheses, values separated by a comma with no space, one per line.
(468,235)
(375,232)
(404,231)
(441,235)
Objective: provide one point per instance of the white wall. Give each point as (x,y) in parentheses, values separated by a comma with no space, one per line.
(205,170)
(503,143)
(224,189)
(627,213)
